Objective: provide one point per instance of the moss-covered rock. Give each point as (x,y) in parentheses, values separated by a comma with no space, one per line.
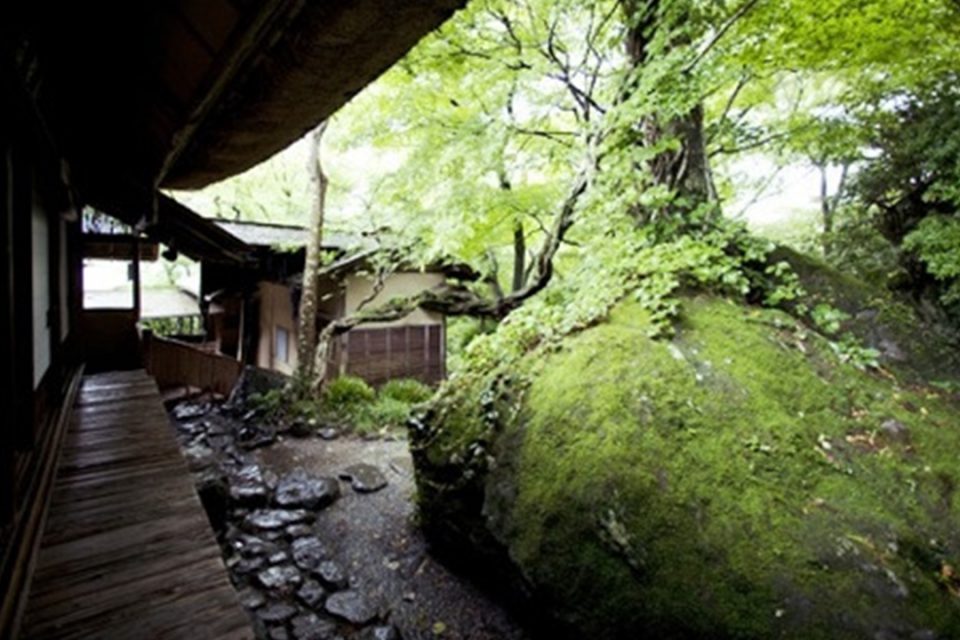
(737,481)
(911,345)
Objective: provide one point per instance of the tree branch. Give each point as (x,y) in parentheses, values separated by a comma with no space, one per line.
(458,300)
(744,9)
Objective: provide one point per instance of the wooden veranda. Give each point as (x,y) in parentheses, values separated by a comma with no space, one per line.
(127,551)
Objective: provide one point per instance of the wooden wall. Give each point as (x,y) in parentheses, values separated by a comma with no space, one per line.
(276,313)
(39,286)
(414,347)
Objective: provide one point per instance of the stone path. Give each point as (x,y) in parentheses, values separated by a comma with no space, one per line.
(320,536)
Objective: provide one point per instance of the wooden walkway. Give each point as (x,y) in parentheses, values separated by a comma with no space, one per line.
(127,551)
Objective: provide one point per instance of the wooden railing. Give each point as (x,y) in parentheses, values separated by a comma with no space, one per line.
(180,364)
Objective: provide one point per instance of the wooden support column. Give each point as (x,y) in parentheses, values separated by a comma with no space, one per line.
(136,279)
(21,390)
(7,337)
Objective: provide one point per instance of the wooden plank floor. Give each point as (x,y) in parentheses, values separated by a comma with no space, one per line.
(127,551)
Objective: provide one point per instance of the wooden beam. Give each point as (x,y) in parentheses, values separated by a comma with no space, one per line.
(104,246)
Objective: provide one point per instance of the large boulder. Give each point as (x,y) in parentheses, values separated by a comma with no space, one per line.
(740,480)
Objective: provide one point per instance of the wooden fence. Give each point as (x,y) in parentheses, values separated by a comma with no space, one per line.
(379,355)
(180,364)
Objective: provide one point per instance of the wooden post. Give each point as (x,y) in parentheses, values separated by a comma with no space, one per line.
(426,352)
(241,330)
(136,279)
(443,348)
(21,392)
(388,331)
(7,373)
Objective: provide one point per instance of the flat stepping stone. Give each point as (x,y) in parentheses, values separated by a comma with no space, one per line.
(382,632)
(364,478)
(282,579)
(309,552)
(300,489)
(311,594)
(351,606)
(277,613)
(310,626)
(332,575)
(251,599)
(269,519)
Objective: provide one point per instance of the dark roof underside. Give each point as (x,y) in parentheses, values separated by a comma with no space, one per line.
(181,93)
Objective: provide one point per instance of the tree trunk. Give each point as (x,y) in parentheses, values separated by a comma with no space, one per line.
(519,257)
(307,330)
(686,170)
(826,211)
(829,204)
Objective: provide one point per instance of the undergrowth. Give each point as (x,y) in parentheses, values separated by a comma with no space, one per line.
(347,402)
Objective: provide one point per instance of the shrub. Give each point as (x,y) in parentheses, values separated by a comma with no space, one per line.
(270,404)
(346,393)
(406,390)
(385,413)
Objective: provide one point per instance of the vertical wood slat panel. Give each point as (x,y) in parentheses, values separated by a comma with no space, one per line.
(378,355)
(175,363)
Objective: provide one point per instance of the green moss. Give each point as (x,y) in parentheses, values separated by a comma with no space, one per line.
(736,481)
(914,348)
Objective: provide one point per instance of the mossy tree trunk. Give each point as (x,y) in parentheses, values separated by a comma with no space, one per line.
(685,168)
(307,329)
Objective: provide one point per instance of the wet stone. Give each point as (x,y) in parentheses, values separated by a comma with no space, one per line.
(351,606)
(250,437)
(309,552)
(252,546)
(190,411)
(283,579)
(192,428)
(311,594)
(364,478)
(277,613)
(251,599)
(298,531)
(198,457)
(310,626)
(301,428)
(216,428)
(300,489)
(247,487)
(273,536)
(219,442)
(278,633)
(270,479)
(381,632)
(246,566)
(330,433)
(278,557)
(270,519)
(332,575)
(248,474)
